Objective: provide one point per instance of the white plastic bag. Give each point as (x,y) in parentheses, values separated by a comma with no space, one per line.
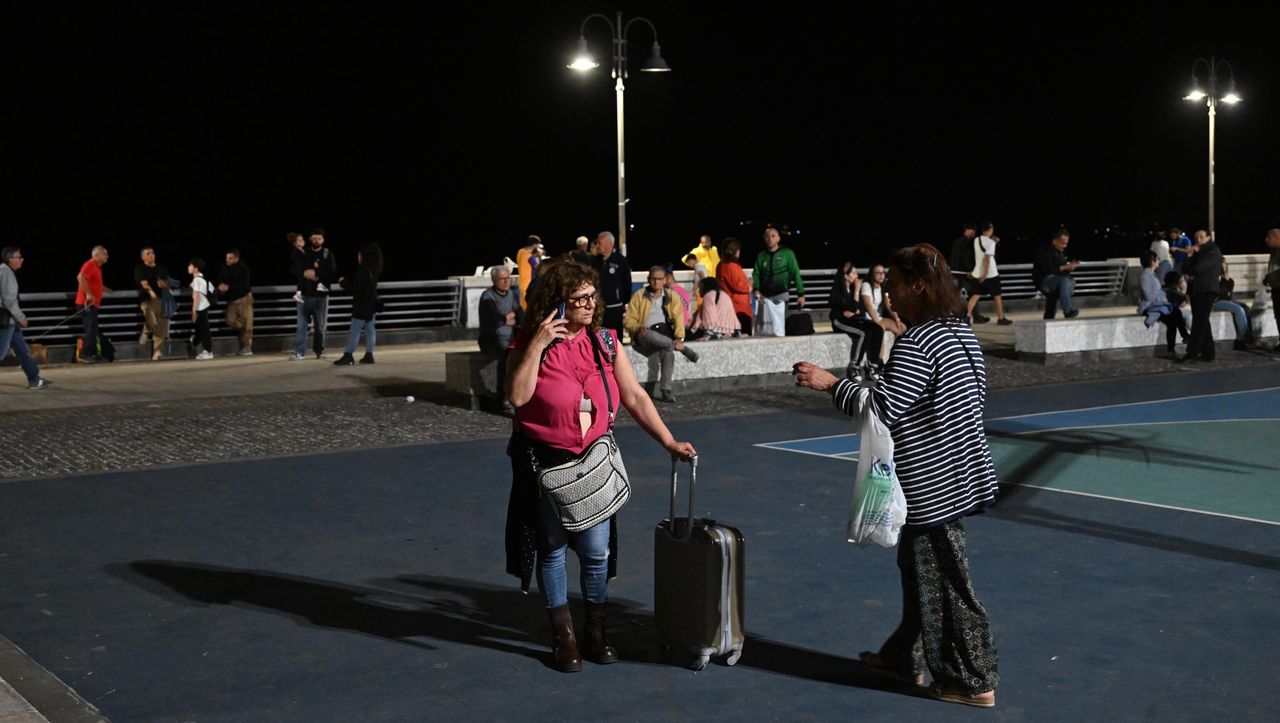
(870,518)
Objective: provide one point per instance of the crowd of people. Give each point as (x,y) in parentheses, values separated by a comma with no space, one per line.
(312,265)
(1183,280)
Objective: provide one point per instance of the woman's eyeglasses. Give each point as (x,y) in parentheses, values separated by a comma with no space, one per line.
(580,302)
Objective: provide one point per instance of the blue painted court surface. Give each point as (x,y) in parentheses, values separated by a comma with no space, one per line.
(369,585)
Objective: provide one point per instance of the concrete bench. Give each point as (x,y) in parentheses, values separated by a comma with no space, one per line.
(745,362)
(471,376)
(1110,337)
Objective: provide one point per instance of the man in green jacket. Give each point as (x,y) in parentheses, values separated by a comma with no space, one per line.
(776,270)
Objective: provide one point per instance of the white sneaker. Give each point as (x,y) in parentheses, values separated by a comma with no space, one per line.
(297,357)
(155,356)
(204,355)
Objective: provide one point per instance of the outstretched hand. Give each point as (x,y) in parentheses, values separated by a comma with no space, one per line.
(813,376)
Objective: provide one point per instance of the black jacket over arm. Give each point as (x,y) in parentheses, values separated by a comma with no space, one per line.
(1205,269)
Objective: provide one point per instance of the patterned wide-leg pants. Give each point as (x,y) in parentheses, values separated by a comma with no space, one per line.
(941,616)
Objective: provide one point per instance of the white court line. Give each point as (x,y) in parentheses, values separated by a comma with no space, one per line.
(774,445)
(1145,504)
(1144,424)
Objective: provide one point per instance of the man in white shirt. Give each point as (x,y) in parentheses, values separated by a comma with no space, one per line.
(986,273)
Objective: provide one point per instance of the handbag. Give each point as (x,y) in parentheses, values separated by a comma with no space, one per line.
(592,488)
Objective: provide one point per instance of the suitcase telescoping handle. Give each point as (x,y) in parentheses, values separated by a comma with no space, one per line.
(693,481)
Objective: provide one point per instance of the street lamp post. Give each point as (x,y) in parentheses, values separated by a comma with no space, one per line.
(583,61)
(1211,100)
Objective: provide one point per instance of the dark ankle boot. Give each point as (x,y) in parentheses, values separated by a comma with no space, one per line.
(598,648)
(345,360)
(367,358)
(564,646)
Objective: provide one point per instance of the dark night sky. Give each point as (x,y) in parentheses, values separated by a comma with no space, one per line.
(449,136)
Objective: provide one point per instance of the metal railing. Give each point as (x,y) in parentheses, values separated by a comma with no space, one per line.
(1092,278)
(407,305)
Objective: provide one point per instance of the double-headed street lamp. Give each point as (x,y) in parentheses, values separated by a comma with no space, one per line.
(1211,99)
(583,62)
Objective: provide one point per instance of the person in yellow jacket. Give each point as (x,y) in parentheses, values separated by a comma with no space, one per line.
(707,255)
(524,269)
(654,320)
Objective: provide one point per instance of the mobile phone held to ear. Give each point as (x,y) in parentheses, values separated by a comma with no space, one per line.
(559,315)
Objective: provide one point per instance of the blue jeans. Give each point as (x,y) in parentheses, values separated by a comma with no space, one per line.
(592,546)
(1237,311)
(11,336)
(313,309)
(1057,290)
(370,335)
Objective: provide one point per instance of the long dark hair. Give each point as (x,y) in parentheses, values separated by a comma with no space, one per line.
(557,280)
(707,285)
(841,282)
(371,258)
(938,296)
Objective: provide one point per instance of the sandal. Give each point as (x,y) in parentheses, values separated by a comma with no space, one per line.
(949,694)
(876,665)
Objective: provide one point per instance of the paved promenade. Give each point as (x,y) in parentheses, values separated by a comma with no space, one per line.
(136,415)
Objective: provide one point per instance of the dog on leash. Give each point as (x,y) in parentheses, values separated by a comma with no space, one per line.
(39,352)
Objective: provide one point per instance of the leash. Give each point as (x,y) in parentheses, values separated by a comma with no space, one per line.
(58,325)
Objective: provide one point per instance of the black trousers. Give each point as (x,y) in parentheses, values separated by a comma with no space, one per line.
(1200,345)
(1174,324)
(203,337)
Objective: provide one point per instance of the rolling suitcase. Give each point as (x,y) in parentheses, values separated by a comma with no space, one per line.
(698,583)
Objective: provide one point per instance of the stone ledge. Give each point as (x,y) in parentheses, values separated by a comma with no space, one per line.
(727,364)
(1111,337)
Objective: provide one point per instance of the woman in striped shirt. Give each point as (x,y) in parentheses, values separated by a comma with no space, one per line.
(931,398)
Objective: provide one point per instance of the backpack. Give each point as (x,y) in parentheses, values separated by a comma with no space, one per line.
(211,292)
(962,258)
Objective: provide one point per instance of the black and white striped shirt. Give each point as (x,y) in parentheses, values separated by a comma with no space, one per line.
(931,398)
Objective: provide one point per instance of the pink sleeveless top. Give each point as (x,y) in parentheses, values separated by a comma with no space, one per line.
(566,373)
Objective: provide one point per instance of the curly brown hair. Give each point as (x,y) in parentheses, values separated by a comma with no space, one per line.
(557,280)
(938,296)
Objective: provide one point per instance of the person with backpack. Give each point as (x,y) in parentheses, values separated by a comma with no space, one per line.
(776,271)
(987,274)
(962,262)
(201,301)
(654,320)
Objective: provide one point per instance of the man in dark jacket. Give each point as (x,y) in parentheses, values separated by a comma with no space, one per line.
(317,272)
(233,284)
(1052,276)
(615,281)
(1204,267)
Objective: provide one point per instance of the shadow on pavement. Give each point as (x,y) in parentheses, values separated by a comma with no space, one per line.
(459,611)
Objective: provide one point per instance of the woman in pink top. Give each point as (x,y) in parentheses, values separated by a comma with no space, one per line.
(716,318)
(557,387)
